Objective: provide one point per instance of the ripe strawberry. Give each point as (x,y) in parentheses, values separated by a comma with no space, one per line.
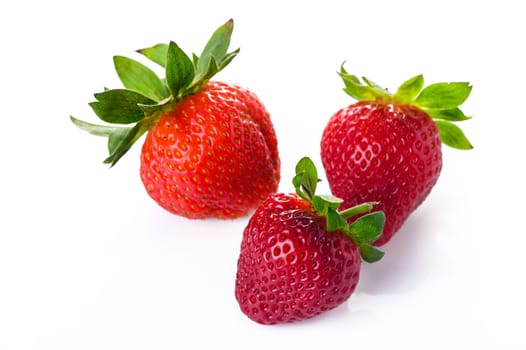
(299,257)
(210,148)
(387,147)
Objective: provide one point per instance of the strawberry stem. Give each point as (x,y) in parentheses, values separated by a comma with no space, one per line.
(357,210)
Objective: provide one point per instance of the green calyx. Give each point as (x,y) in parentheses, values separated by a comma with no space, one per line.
(137,107)
(364,231)
(440,101)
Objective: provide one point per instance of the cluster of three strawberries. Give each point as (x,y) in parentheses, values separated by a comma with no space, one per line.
(211,151)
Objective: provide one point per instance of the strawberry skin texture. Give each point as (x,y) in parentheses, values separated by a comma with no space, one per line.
(290,268)
(385,152)
(214,155)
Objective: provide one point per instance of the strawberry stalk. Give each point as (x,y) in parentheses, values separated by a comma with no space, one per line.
(146,97)
(357,210)
(440,101)
(364,231)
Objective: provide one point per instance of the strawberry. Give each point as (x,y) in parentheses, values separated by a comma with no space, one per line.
(387,147)
(299,257)
(210,149)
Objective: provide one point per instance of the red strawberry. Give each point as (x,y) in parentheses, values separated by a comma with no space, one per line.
(210,149)
(387,147)
(299,257)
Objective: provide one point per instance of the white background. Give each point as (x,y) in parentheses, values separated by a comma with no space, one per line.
(89,261)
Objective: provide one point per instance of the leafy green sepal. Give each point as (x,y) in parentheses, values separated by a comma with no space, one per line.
(440,101)
(364,231)
(369,253)
(146,96)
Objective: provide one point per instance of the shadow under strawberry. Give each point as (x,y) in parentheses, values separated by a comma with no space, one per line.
(410,260)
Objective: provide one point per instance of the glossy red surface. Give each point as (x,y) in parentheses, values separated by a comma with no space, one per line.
(289,267)
(380,151)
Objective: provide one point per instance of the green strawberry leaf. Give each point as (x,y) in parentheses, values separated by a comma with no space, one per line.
(363,232)
(410,89)
(116,138)
(156,53)
(357,90)
(136,76)
(452,135)
(119,106)
(373,85)
(179,70)
(94,129)
(335,221)
(216,47)
(306,179)
(322,203)
(212,70)
(369,253)
(227,59)
(121,141)
(115,134)
(368,228)
(195,59)
(440,101)
(443,95)
(165,105)
(453,115)
(146,96)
